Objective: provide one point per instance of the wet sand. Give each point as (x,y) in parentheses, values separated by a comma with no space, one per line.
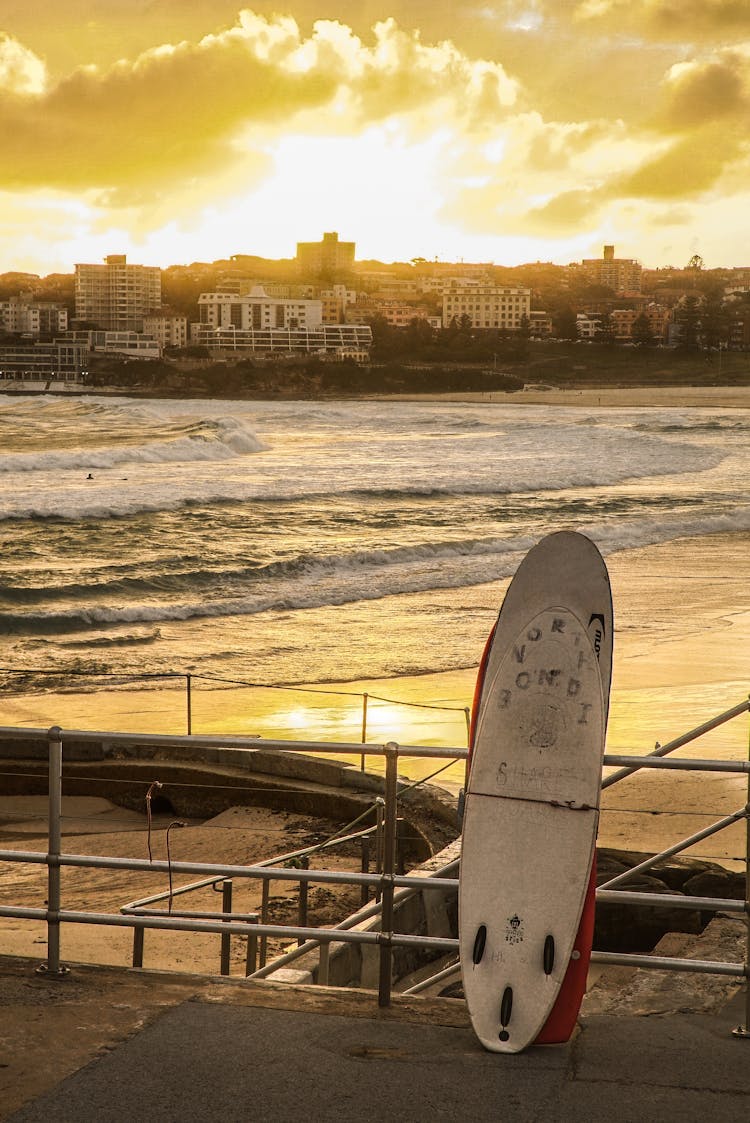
(659,397)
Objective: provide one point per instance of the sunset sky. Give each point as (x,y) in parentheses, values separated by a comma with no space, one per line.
(501,130)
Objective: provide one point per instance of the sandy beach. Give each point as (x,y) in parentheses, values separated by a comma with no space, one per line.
(620,397)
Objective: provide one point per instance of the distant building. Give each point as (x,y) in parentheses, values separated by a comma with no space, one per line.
(328,256)
(257,310)
(22,315)
(540,325)
(126,344)
(400,315)
(332,340)
(116,296)
(168,328)
(622,275)
(487,306)
(588,324)
(659,318)
(31,361)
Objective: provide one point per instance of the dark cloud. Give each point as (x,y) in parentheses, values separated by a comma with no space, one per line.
(702,91)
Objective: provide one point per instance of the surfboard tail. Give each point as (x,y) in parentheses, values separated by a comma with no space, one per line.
(564,1014)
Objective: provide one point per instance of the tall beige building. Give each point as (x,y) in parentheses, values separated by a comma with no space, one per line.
(327,257)
(487,306)
(116,296)
(621,274)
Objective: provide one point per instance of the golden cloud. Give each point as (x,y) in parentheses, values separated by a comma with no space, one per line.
(705,90)
(670,18)
(180,109)
(21,71)
(689,167)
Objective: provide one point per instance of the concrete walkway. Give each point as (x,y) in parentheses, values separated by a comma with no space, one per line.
(266,1053)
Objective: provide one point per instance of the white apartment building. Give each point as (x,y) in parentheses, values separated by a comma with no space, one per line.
(257,311)
(489,307)
(116,296)
(128,344)
(323,339)
(167,328)
(22,315)
(588,325)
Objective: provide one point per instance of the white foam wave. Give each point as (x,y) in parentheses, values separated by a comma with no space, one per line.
(376,574)
(214,440)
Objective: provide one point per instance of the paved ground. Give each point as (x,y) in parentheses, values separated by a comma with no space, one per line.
(169,1048)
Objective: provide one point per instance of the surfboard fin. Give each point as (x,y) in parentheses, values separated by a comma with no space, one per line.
(506,1010)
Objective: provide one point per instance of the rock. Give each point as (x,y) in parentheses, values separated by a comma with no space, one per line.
(677,871)
(639,927)
(644,991)
(716,882)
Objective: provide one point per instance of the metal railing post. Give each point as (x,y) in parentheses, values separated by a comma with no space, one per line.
(264,920)
(323,963)
(379,819)
(226,939)
(251,959)
(138,946)
(746,1027)
(744,1030)
(302,905)
(389,864)
(189,701)
(400,845)
(53,967)
(364,895)
(364,730)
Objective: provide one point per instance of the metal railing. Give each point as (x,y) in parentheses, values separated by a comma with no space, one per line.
(390,886)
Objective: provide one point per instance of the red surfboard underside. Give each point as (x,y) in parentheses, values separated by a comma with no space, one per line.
(564,1014)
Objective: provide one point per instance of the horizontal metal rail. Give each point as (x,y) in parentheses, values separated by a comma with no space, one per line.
(668,963)
(143,902)
(740,767)
(671,901)
(235,927)
(219,871)
(247,744)
(679,742)
(678,848)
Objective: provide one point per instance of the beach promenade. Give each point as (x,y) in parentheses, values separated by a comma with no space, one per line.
(108,1044)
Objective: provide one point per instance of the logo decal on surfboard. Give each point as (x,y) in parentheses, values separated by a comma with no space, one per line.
(514,930)
(597,632)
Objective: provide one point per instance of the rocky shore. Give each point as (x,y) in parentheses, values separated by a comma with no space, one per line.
(638,928)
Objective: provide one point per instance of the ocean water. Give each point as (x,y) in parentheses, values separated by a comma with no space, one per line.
(298,542)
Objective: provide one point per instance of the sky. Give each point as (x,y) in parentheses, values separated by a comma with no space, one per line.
(507,131)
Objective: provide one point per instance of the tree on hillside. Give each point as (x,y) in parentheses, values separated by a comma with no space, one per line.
(687,318)
(606,332)
(642,333)
(714,320)
(565,323)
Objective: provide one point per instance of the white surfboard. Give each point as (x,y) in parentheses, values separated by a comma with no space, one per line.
(531,814)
